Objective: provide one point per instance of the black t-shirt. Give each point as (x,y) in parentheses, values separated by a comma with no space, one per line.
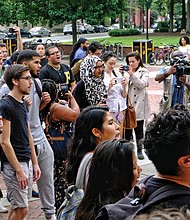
(179,201)
(43,61)
(178,197)
(63,75)
(17,113)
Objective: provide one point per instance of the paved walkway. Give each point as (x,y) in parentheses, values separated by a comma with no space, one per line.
(155,94)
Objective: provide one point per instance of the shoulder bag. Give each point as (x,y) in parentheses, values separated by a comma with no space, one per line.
(130,121)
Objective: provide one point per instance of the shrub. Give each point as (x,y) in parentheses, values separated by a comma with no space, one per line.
(123,32)
(163,26)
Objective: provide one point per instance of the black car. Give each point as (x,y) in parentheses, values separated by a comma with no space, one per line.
(24,33)
(100,28)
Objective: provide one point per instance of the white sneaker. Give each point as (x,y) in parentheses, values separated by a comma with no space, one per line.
(3,209)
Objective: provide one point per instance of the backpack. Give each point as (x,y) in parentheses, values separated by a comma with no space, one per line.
(74,193)
(73,196)
(131,206)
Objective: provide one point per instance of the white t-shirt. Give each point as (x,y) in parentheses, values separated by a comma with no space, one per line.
(185,50)
(115,101)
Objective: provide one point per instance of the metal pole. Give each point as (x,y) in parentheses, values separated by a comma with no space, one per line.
(146,19)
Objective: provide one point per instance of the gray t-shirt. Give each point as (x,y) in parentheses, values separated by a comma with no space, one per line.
(35,124)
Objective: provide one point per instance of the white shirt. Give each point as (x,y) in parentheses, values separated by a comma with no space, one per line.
(185,50)
(115,101)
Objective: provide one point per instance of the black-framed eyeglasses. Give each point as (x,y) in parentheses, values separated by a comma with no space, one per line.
(55,53)
(26,78)
(98,67)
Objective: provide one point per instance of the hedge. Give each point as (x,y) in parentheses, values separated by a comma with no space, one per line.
(123,32)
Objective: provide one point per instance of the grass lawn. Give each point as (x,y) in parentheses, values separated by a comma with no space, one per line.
(158,39)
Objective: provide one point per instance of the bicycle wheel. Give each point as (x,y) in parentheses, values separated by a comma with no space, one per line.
(49,43)
(151,58)
(60,48)
(120,52)
(159,59)
(166,58)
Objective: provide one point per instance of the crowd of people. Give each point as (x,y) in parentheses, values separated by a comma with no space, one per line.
(63,125)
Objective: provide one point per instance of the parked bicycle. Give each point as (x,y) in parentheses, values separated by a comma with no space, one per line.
(117,48)
(162,54)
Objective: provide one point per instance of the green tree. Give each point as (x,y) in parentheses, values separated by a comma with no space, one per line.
(188,16)
(92,10)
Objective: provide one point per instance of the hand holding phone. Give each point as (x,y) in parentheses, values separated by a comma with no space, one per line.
(11,30)
(125,68)
(119,79)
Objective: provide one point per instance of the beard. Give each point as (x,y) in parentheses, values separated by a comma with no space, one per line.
(85,48)
(33,74)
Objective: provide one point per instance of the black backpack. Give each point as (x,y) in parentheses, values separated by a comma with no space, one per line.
(129,207)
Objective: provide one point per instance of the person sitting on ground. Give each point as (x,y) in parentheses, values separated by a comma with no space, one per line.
(167,144)
(91,90)
(113,172)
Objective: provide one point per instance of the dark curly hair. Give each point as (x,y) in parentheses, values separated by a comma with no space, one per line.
(167,138)
(185,38)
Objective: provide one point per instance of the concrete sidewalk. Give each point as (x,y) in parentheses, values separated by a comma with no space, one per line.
(155,94)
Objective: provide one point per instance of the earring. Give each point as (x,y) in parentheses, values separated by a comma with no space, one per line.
(100,137)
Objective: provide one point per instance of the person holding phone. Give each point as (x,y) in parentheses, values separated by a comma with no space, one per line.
(138,82)
(116,86)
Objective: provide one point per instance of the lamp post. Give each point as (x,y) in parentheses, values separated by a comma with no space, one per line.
(146,19)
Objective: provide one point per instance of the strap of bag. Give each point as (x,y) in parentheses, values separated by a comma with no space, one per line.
(38,89)
(129,103)
(82,171)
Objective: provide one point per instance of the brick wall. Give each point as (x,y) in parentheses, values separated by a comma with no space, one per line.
(67,49)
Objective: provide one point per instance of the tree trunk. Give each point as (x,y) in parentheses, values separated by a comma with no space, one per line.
(171,15)
(74,28)
(188,17)
(121,21)
(183,26)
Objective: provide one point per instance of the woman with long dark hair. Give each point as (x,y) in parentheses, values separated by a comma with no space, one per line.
(113,172)
(94,125)
(138,82)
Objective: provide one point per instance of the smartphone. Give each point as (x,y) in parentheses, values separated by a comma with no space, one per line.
(119,80)
(125,68)
(11,30)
